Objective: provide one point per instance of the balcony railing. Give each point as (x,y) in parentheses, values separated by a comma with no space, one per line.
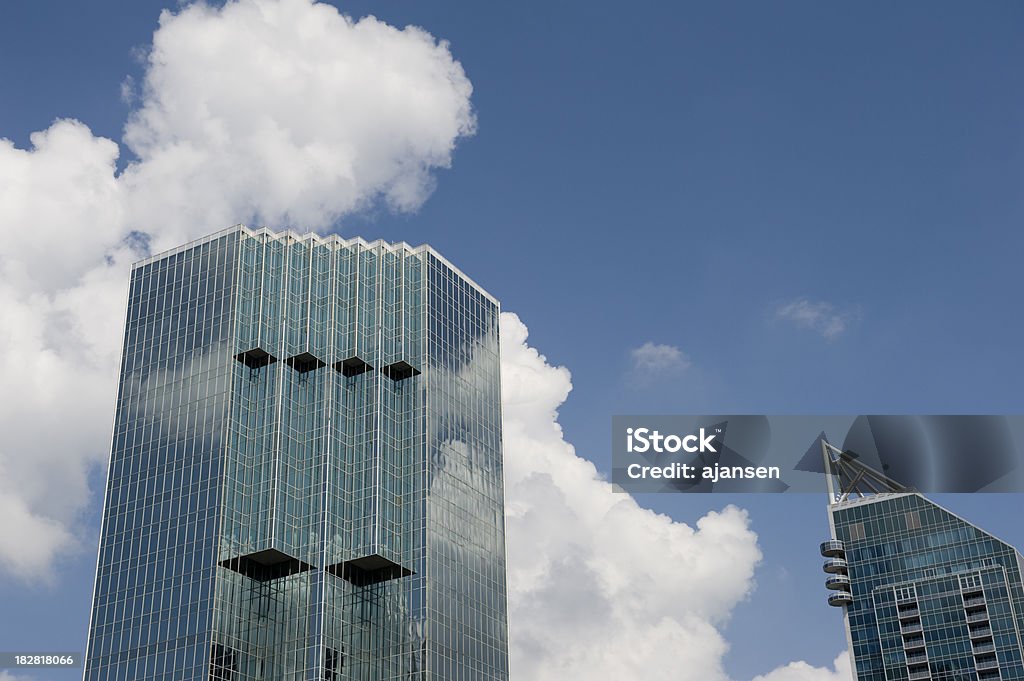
(979,632)
(917,658)
(973,601)
(833,548)
(907,613)
(913,642)
(835,566)
(978,617)
(986,663)
(912,628)
(986,647)
(838,582)
(840,598)
(917,676)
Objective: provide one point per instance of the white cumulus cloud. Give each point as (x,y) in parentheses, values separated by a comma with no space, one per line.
(819,316)
(801,671)
(656,358)
(277,112)
(594,579)
(288,112)
(63,272)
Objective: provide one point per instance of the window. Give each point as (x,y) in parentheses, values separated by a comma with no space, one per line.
(222,663)
(334,662)
(905,593)
(970,581)
(913,520)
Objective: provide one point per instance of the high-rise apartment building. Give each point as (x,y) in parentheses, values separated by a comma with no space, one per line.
(306,471)
(925,594)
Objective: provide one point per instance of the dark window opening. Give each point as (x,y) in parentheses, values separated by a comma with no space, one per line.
(334,663)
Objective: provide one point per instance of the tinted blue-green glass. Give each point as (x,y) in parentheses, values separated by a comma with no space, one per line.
(933,596)
(153,603)
(306,476)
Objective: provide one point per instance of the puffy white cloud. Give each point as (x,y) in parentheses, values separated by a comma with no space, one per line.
(63,270)
(819,316)
(288,112)
(801,671)
(60,206)
(599,587)
(653,358)
(27,539)
(278,112)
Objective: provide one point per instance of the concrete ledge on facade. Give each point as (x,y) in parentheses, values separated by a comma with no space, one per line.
(266,565)
(353,366)
(400,370)
(255,358)
(371,569)
(304,362)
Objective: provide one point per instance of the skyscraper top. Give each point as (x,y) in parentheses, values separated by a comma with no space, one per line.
(330,240)
(847,476)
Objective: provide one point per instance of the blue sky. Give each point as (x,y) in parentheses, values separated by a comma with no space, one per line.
(680,174)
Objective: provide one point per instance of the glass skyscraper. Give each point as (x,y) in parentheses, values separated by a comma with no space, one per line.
(306,470)
(925,594)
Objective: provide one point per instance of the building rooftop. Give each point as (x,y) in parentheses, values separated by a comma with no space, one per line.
(328,240)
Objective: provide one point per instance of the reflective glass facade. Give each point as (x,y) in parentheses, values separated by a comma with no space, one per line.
(306,472)
(926,594)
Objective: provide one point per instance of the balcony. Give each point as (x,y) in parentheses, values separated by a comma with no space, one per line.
(835,566)
(840,598)
(985,647)
(977,617)
(917,658)
(918,675)
(979,632)
(910,628)
(973,601)
(838,582)
(986,663)
(908,613)
(913,642)
(833,548)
